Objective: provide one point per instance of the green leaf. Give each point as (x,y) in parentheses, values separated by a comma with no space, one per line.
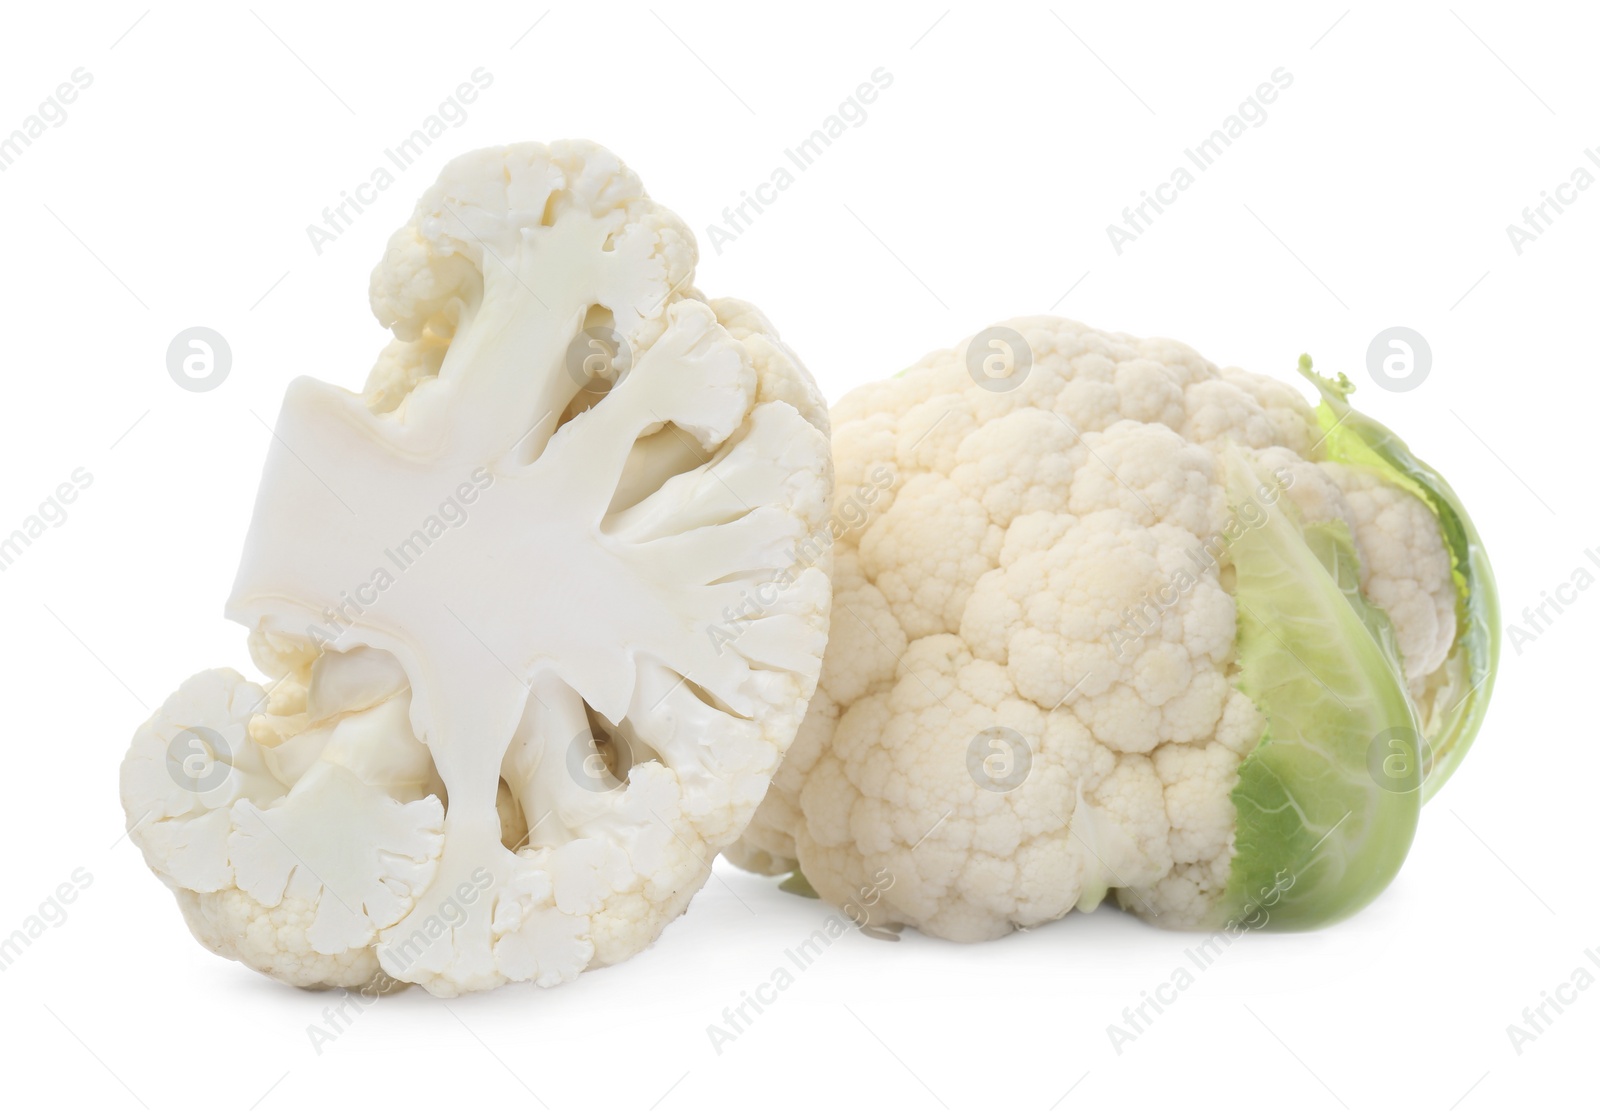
(1318,834)
(796,884)
(1458,690)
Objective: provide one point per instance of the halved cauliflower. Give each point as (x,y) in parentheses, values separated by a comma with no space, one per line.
(541,608)
(1123,620)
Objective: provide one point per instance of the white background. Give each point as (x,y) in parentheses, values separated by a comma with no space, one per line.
(1377,193)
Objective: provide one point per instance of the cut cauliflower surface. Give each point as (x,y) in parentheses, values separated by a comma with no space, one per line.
(1035,689)
(539,607)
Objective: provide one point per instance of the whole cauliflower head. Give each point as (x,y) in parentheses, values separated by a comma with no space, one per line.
(1117,620)
(540,609)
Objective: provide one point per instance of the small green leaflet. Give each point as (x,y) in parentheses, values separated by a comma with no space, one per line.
(796,884)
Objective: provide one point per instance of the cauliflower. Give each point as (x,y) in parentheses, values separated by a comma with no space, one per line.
(1124,622)
(531,605)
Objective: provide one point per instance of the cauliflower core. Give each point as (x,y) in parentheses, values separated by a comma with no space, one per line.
(531,607)
(1034,690)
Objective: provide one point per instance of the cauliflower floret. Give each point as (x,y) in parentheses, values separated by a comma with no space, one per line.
(1404,571)
(272,939)
(1050,585)
(242,819)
